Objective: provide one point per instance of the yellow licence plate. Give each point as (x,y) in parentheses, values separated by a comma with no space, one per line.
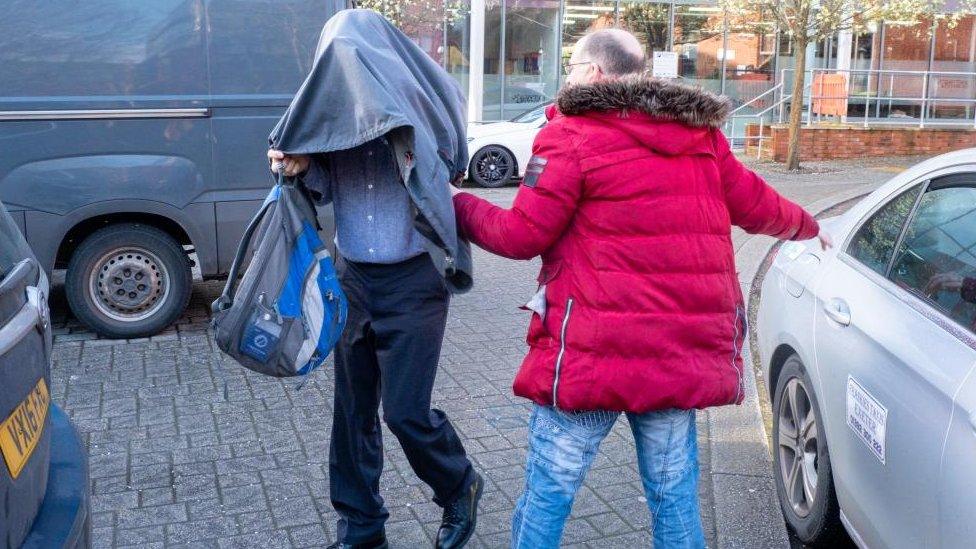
(22,429)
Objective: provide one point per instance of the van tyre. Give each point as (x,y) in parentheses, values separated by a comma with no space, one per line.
(801,460)
(128,280)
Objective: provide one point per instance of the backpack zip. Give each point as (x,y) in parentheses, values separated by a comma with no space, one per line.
(562,351)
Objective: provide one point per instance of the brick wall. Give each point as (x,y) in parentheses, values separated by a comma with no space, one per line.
(838,142)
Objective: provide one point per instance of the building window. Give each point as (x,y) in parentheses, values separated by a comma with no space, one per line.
(583,16)
(522,54)
(650,22)
(698,41)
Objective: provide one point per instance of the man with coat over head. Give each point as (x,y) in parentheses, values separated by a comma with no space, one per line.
(378,130)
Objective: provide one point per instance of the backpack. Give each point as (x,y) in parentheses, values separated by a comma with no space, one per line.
(287,312)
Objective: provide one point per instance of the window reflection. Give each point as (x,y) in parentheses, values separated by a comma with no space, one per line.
(937,257)
(698,42)
(955,51)
(649,21)
(531,53)
(874,244)
(749,58)
(522,53)
(583,16)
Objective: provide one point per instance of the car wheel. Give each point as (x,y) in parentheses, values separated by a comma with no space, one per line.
(128,280)
(801,459)
(492,166)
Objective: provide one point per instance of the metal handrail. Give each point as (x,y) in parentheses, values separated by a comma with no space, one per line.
(759,116)
(756,98)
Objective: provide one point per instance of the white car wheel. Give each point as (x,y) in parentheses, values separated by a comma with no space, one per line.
(492,166)
(801,459)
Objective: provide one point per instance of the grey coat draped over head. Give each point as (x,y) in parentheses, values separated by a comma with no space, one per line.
(370,80)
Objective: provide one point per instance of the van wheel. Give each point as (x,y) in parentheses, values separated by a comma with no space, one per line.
(804,481)
(128,280)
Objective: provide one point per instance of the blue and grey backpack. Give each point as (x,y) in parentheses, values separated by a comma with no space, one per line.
(287,312)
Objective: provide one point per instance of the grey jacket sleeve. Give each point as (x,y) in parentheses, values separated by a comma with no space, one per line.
(318,180)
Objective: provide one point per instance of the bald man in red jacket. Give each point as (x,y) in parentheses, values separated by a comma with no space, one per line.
(629,197)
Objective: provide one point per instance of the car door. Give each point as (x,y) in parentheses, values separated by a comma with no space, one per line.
(25,344)
(891,354)
(957,483)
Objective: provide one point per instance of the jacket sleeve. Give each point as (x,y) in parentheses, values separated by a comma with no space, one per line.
(318,179)
(754,205)
(543,207)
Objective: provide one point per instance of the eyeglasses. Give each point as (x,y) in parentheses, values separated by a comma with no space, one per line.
(568,67)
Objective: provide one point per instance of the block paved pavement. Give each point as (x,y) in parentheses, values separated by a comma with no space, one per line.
(188,449)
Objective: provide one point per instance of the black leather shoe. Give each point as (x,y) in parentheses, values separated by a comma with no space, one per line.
(460,517)
(375,543)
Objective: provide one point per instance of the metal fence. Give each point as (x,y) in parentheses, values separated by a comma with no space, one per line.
(868,97)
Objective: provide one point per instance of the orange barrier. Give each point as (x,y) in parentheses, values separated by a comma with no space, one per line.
(830,94)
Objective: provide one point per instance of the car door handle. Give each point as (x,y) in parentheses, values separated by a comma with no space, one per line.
(837,310)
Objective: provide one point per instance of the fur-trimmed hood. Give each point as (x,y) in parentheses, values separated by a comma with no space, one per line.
(656,97)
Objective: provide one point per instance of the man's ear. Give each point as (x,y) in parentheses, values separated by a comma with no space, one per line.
(594,73)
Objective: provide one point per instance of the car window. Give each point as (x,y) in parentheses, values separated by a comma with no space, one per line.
(531,115)
(874,244)
(13,247)
(936,259)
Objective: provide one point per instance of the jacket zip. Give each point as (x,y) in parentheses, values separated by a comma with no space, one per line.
(562,351)
(740,318)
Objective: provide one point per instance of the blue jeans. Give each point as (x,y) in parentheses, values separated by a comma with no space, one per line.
(562,445)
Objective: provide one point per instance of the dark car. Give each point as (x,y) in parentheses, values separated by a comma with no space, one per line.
(43,469)
(134,133)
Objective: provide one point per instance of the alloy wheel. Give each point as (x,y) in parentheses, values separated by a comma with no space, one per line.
(494,166)
(798,447)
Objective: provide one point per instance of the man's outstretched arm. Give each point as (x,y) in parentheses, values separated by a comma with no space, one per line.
(543,207)
(757,207)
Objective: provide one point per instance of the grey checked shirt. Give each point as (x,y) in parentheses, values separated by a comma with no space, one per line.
(373,212)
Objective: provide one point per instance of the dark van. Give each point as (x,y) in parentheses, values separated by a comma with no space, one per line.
(133,134)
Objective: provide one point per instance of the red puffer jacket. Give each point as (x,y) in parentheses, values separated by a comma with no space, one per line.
(629,198)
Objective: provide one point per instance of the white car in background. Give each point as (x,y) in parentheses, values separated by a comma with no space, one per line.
(869,354)
(499,151)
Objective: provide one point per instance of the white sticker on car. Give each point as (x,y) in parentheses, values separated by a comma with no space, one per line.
(867,418)
(792,250)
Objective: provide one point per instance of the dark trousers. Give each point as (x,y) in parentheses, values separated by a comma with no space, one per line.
(389,353)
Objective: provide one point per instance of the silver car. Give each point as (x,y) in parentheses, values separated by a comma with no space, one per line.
(869,352)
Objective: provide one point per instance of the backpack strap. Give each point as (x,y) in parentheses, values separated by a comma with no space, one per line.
(226,299)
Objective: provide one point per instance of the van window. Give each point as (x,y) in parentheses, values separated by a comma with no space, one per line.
(104,48)
(261,47)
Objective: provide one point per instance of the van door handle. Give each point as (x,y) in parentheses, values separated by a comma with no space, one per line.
(837,310)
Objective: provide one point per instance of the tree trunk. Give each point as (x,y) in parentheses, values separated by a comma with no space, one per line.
(796,104)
